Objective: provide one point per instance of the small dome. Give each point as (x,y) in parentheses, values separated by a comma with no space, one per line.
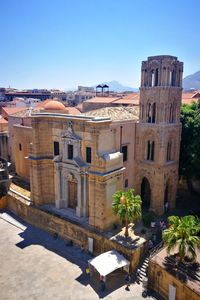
(54,105)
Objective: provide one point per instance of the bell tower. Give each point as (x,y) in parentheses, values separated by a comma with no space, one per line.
(158,132)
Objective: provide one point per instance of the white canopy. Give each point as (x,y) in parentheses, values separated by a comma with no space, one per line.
(108,262)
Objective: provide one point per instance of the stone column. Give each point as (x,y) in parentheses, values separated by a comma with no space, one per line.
(64,189)
(79,202)
(57,185)
(85,210)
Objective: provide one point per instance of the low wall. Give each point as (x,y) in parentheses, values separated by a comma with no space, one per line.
(68,230)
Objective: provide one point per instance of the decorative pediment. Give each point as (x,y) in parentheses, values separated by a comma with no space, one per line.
(69,133)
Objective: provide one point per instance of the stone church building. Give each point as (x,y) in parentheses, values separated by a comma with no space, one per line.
(77,162)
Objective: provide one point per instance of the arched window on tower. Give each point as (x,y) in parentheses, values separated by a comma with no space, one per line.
(169,151)
(174,113)
(173,81)
(156,77)
(170,78)
(170,113)
(150,150)
(153,113)
(152,78)
(149,113)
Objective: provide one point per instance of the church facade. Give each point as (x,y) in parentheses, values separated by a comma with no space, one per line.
(78,162)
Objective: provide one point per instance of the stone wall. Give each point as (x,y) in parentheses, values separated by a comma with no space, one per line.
(160,279)
(68,230)
(22,137)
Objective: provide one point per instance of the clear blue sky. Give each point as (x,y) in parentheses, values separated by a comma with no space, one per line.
(63,43)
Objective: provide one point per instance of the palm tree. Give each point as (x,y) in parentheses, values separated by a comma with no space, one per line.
(127,207)
(184,233)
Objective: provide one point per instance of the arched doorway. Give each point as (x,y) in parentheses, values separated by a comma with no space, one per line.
(166,195)
(145,194)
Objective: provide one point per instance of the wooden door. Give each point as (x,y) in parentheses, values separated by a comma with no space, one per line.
(72,194)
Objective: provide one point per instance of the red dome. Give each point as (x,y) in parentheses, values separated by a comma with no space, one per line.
(54,105)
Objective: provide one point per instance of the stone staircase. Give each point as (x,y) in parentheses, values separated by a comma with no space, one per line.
(143,268)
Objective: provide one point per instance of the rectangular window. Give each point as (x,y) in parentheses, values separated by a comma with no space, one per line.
(125,153)
(70,152)
(56,148)
(88,155)
(20,147)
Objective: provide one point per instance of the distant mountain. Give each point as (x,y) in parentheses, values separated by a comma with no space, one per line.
(192,81)
(118,87)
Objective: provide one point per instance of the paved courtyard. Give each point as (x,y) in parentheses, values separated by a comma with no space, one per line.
(34,265)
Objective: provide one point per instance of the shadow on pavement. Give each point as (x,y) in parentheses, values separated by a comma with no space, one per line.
(35,236)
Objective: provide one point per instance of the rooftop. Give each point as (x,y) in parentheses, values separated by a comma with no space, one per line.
(189,97)
(102,99)
(187,272)
(115,113)
(3,121)
(12,110)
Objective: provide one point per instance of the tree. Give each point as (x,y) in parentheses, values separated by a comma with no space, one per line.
(127,207)
(184,233)
(190,143)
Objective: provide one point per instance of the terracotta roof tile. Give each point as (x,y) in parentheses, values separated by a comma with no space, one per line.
(12,110)
(115,113)
(3,121)
(189,97)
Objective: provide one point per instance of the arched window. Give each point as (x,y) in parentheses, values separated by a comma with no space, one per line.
(170,113)
(153,113)
(156,77)
(149,113)
(174,114)
(169,151)
(173,82)
(170,78)
(150,150)
(152,78)
(145,193)
(126,183)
